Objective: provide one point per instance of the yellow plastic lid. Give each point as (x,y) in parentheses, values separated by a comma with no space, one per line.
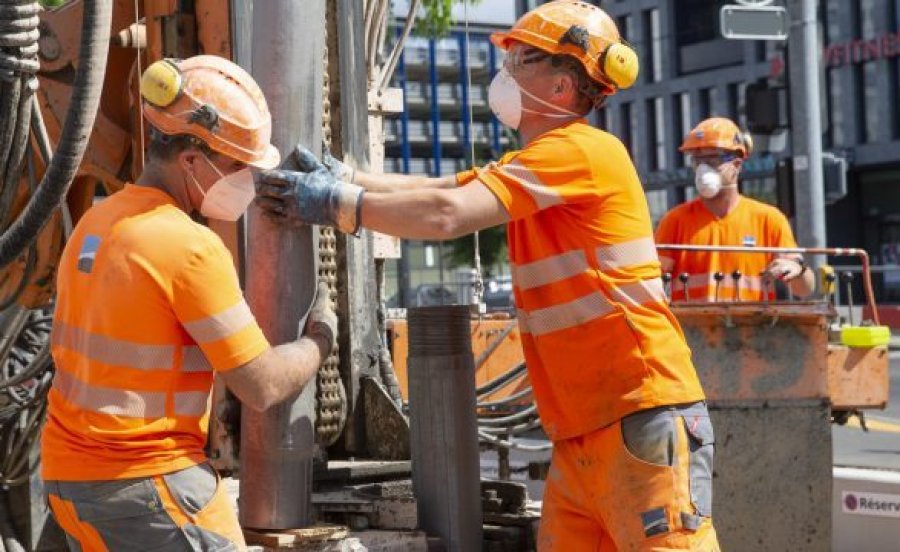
(865,336)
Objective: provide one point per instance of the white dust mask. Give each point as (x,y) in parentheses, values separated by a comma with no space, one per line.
(228,198)
(708,181)
(505,99)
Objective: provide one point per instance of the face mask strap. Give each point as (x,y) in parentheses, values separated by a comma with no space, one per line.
(563,112)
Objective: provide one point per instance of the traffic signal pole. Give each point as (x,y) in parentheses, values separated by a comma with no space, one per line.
(806,125)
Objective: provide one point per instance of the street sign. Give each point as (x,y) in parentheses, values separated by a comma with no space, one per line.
(754,22)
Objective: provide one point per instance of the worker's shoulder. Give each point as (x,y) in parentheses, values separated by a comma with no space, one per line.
(166,234)
(580,136)
(764,210)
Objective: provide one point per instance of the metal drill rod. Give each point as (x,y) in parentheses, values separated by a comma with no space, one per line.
(718,277)
(736,277)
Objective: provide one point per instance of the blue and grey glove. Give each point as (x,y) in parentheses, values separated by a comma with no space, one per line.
(310,195)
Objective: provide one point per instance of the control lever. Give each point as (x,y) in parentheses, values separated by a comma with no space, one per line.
(847,278)
(684,277)
(667,285)
(736,278)
(718,277)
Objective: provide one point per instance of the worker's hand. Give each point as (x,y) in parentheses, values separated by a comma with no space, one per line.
(310,195)
(322,321)
(783,269)
(339,169)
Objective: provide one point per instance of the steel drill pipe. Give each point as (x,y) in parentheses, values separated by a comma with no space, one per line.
(443,426)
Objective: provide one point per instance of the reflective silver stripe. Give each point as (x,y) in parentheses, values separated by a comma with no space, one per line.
(542,194)
(221,325)
(522,317)
(128,403)
(108,400)
(549,269)
(116,352)
(568,315)
(641,292)
(195,361)
(191,403)
(635,252)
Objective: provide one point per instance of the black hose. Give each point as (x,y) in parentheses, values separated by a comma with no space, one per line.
(529,412)
(501,381)
(505,401)
(75,134)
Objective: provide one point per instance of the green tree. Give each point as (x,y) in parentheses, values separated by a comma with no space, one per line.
(436,17)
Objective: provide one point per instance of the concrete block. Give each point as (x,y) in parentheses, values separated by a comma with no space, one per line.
(772,477)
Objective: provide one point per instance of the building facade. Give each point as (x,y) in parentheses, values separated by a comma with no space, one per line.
(689,72)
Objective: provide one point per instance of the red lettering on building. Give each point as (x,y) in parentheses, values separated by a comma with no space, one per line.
(861,51)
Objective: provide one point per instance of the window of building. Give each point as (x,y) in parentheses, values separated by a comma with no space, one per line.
(626,27)
(681,104)
(656,134)
(658,202)
(625,130)
(652,46)
(706,104)
(894,72)
(698,40)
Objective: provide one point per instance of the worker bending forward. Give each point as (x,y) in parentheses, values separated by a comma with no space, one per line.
(722,216)
(612,375)
(148,309)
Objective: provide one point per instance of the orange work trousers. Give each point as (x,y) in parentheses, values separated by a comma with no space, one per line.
(643,483)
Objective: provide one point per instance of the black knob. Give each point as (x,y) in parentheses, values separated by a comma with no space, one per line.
(847,276)
(718,276)
(667,277)
(830,277)
(736,275)
(684,277)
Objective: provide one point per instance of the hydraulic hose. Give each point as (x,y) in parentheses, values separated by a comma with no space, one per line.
(501,381)
(75,134)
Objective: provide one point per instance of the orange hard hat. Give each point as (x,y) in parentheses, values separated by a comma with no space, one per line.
(214,100)
(580,30)
(718,133)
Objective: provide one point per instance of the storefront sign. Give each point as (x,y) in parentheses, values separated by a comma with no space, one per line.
(860,51)
(871,504)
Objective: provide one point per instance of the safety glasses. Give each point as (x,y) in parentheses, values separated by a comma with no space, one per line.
(713,160)
(523,61)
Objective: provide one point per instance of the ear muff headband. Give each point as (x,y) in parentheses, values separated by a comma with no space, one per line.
(620,65)
(161,83)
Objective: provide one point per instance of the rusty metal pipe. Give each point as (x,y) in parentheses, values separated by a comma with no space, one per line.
(862,254)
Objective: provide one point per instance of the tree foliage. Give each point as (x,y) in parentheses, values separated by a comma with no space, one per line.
(436,17)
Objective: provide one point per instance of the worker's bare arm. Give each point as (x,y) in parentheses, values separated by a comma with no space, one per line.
(791,271)
(384,183)
(277,374)
(433,214)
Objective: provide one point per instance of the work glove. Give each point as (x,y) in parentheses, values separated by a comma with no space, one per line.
(783,269)
(339,169)
(310,195)
(322,321)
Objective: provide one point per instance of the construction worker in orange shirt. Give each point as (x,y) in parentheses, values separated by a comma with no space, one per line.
(612,374)
(148,310)
(721,215)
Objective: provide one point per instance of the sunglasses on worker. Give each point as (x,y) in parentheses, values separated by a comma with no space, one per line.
(713,160)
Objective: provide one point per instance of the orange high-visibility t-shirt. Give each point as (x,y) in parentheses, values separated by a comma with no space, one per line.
(148,306)
(751,223)
(598,337)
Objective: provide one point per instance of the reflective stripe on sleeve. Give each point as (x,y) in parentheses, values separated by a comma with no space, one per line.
(220,325)
(543,195)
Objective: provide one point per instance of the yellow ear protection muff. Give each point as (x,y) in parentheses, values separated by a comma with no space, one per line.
(161,83)
(620,64)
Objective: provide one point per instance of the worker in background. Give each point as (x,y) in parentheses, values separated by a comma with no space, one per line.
(722,216)
(612,374)
(148,310)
